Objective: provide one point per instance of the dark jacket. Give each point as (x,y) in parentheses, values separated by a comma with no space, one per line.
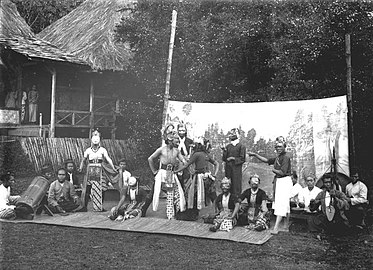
(260,196)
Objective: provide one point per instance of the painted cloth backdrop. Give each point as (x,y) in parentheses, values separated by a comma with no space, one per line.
(312,128)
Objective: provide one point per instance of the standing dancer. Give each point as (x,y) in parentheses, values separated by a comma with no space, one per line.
(202,178)
(234,155)
(282,182)
(166,177)
(94,183)
(185,147)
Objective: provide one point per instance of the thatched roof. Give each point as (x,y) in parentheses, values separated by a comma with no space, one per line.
(15,34)
(89,33)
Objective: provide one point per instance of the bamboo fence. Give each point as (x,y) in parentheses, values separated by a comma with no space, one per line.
(55,151)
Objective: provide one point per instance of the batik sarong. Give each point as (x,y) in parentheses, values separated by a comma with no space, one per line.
(175,194)
(197,181)
(94,176)
(223,222)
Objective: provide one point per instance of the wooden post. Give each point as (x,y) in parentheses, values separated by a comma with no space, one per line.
(349,98)
(169,65)
(53,104)
(91,105)
(40,124)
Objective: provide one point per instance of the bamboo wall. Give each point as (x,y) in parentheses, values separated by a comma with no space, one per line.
(56,150)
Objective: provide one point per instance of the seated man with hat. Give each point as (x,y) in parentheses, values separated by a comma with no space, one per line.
(131,203)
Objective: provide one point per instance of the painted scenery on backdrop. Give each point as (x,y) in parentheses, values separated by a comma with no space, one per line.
(312,128)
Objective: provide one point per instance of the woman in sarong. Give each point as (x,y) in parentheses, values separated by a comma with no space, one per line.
(255,214)
(96,155)
(226,206)
(130,204)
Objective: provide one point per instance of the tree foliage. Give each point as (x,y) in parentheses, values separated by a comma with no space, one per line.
(247,51)
(242,51)
(41,13)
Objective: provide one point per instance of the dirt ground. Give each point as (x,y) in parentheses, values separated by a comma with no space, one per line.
(34,246)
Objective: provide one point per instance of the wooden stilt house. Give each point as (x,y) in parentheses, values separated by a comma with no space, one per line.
(25,61)
(88,32)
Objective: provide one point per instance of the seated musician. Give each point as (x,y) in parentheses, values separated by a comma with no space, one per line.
(131,203)
(166,178)
(255,215)
(333,204)
(62,197)
(226,206)
(357,193)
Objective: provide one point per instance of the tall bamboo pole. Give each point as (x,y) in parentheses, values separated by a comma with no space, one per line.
(349,98)
(53,104)
(169,64)
(91,106)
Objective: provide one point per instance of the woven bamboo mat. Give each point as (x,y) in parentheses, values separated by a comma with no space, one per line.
(151,225)
(154,222)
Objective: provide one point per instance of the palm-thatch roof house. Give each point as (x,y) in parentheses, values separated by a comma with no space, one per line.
(88,32)
(27,60)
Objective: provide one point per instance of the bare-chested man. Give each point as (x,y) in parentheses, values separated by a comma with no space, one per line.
(165,178)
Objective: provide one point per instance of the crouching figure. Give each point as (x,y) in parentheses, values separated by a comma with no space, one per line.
(131,202)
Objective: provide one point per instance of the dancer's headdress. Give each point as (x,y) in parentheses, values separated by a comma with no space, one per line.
(254,179)
(234,132)
(280,141)
(226,182)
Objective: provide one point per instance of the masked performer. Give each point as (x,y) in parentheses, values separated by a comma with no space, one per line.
(234,155)
(94,183)
(200,184)
(227,207)
(282,181)
(165,178)
(185,147)
(130,204)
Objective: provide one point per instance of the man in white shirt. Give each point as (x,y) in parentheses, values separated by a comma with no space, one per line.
(125,174)
(295,190)
(7,202)
(308,193)
(357,193)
